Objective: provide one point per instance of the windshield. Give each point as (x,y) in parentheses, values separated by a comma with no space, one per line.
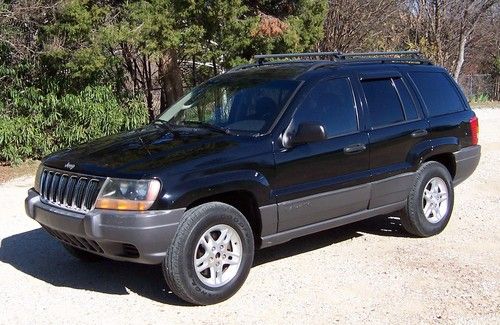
(239,105)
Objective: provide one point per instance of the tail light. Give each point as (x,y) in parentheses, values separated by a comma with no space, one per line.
(474,129)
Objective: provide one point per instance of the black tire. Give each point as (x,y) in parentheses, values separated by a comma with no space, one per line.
(413,218)
(178,266)
(82,255)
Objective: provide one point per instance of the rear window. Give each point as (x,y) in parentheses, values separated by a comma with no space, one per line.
(439,94)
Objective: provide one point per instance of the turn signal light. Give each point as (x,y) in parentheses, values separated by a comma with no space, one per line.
(116,204)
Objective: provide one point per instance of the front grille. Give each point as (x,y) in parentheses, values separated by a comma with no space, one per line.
(72,191)
(77,241)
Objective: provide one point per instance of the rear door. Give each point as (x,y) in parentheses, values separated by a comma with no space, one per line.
(326,179)
(395,127)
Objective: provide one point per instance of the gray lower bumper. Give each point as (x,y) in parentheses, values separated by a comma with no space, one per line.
(466,161)
(141,237)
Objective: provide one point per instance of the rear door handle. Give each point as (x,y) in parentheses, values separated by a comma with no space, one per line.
(419,133)
(355,148)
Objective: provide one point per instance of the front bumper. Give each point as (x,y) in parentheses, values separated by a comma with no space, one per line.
(466,161)
(134,236)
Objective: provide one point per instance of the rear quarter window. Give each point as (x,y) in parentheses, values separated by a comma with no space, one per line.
(439,94)
(406,99)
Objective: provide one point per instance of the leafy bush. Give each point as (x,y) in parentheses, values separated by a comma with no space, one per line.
(33,124)
(480,98)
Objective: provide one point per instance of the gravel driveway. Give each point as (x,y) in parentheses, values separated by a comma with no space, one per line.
(370,271)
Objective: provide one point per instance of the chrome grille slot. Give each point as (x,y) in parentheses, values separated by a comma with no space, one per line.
(42,183)
(71,191)
(91,194)
(70,187)
(48,183)
(79,191)
(61,189)
(55,186)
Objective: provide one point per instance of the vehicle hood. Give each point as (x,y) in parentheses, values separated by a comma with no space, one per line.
(145,152)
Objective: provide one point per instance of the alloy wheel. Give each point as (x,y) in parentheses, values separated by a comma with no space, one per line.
(435,200)
(217,255)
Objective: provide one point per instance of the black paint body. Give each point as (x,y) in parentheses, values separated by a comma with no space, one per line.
(195,164)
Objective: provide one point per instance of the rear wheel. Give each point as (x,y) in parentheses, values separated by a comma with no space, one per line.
(430,202)
(210,255)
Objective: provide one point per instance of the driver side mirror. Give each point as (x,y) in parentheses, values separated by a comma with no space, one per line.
(306,133)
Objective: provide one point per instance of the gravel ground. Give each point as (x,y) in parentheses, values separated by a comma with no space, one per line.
(370,271)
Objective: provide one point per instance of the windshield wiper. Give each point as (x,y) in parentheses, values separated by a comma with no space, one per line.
(164,124)
(209,126)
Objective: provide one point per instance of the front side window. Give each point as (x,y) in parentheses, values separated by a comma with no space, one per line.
(331,104)
(245,104)
(383,102)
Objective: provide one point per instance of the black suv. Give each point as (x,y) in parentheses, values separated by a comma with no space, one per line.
(260,155)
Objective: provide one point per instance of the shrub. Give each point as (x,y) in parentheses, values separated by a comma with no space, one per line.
(480,98)
(33,124)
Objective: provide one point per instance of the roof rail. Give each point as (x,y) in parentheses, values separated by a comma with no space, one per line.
(412,54)
(262,57)
(403,56)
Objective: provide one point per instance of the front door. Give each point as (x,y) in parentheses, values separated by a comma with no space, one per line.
(326,179)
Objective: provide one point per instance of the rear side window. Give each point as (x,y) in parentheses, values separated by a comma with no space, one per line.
(330,103)
(438,93)
(383,102)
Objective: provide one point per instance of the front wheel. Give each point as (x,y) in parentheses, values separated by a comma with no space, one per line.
(430,202)
(211,254)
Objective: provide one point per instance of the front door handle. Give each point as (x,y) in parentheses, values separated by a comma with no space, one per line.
(355,148)
(419,133)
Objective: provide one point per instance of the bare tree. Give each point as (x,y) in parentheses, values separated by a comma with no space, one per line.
(150,75)
(471,13)
(354,24)
(442,29)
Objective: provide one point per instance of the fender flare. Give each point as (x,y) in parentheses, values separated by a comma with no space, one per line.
(426,149)
(201,186)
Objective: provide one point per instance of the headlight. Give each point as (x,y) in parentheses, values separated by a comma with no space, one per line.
(125,194)
(38,177)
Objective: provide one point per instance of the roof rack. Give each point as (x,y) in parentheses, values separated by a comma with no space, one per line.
(411,54)
(262,57)
(394,56)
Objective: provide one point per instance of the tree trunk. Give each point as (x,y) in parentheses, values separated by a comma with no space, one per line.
(170,79)
(461,57)
(193,71)
(437,32)
(149,87)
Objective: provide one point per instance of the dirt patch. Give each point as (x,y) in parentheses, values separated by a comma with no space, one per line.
(25,168)
(493,104)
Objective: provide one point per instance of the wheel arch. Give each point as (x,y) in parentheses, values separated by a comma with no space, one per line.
(242,200)
(447,159)
(246,190)
(439,150)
